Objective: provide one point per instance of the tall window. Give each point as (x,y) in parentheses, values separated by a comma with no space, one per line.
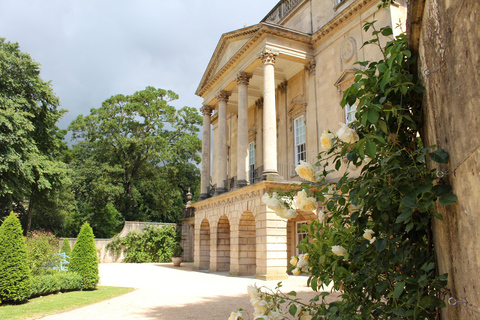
(300,234)
(251,162)
(350,113)
(299,131)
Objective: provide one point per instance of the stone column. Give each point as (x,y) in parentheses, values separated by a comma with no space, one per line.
(242,136)
(205,173)
(222,141)
(269,114)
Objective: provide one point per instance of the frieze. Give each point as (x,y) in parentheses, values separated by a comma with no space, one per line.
(237,199)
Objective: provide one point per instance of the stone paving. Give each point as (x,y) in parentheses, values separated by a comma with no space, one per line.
(167,292)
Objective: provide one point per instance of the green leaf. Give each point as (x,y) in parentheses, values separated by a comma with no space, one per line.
(373,115)
(403,217)
(293,310)
(370,149)
(387,31)
(441,190)
(398,289)
(382,67)
(380,244)
(409,202)
(383,126)
(440,156)
(448,199)
(292,293)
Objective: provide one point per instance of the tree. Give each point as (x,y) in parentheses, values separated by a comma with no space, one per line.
(30,139)
(66,247)
(15,279)
(131,135)
(84,259)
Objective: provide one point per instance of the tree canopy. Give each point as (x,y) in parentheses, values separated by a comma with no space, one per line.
(29,137)
(131,151)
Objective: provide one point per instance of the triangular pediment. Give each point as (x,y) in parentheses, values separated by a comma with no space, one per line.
(228,45)
(345,79)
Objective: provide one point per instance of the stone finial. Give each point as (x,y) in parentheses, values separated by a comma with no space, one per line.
(268,56)
(189,198)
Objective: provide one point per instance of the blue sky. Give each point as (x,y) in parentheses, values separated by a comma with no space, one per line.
(93,49)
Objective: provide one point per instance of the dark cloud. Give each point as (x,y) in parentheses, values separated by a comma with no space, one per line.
(92,49)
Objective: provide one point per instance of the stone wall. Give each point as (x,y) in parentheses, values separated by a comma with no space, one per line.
(446,34)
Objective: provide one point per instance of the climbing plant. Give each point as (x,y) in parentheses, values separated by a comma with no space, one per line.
(373,244)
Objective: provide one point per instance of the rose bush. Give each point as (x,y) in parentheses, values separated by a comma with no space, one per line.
(374,242)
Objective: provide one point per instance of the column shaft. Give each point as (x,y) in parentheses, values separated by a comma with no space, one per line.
(242,137)
(269,114)
(222,141)
(205,170)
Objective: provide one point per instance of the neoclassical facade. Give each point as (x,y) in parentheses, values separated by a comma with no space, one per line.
(269,92)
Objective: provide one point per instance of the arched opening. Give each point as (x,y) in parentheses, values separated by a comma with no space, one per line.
(294,234)
(223,244)
(204,245)
(247,244)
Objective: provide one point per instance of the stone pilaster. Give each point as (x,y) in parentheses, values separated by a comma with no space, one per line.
(269,114)
(222,143)
(242,137)
(205,170)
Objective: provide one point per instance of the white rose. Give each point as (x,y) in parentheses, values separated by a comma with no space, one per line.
(290,214)
(304,203)
(321,216)
(302,262)
(306,316)
(293,261)
(347,134)
(275,204)
(368,234)
(265,198)
(259,305)
(326,140)
(276,314)
(367,159)
(235,315)
(353,208)
(305,171)
(339,250)
(296,271)
(373,240)
(253,291)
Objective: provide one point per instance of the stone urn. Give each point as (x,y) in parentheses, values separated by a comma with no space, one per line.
(177,261)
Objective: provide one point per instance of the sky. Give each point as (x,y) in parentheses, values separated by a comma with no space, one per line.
(91,50)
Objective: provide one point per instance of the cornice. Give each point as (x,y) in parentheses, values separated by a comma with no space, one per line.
(263,30)
(340,19)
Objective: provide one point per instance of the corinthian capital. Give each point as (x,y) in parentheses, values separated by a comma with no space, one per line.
(268,56)
(223,96)
(243,78)
(206,110)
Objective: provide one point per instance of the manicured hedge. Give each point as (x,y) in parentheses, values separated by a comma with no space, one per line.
(53,283)
(15,278)
(84,259)
(66,247)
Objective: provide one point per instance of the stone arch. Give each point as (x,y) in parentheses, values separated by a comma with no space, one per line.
(204,245)
(223,244)
(247,244)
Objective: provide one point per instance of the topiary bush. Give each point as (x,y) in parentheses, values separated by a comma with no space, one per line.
(42,248)
(15,278)
(66,247)
(54,283)
(84,259)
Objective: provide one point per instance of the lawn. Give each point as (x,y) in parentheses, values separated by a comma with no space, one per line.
(56,303)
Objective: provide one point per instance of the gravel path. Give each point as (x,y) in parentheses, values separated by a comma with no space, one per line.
(170,293)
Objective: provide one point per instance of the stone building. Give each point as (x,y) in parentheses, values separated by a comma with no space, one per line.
(269,92)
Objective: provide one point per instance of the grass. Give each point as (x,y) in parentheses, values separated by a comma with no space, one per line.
(43,306)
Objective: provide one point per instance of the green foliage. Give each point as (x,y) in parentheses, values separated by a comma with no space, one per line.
(30,140)
(15,278)
(84,259)
(177,250)
(375,242)
(42,250)
(383,217)
(132,153)
(60,281)
(66,247)
(152,245)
